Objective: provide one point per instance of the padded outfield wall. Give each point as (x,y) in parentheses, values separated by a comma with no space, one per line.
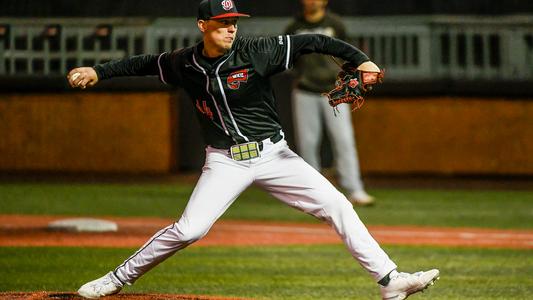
(87,132)
(153,132)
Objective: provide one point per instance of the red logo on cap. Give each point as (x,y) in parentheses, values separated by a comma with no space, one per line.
(227,4)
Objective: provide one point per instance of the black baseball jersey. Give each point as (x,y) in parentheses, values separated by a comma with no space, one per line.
(232,94)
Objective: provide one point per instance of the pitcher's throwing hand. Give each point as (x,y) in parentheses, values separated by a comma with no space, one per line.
(82,77)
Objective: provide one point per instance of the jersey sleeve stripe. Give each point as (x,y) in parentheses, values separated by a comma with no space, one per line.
(161,69)
(288,52)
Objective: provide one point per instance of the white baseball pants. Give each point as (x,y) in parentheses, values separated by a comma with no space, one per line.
(284,175)
(311,112)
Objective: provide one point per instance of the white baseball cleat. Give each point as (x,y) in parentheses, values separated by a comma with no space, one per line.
(404,284)
(361,198)
(103,286)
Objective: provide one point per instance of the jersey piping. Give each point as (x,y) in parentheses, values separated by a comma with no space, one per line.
(225,99)
(212,97)
(288,52)
(161,69)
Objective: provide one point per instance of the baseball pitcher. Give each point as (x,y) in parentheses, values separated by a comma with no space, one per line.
(227,79)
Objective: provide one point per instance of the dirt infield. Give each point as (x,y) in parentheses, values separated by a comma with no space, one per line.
(25,230)
(73,296)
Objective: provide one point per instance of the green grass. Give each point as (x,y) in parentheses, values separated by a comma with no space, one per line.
(293,272)
(471,208)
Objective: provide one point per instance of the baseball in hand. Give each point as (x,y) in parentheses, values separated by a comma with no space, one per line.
(75,75)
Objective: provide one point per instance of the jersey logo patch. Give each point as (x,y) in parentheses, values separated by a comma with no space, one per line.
(204,109)
(235,79)
(227,4)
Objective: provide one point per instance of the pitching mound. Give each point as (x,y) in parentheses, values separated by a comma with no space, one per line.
(74,296)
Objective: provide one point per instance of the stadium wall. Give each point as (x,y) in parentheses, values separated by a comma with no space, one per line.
(446,135)
(87,132)
(132,132)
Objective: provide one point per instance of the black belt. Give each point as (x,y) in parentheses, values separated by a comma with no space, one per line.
(274,139)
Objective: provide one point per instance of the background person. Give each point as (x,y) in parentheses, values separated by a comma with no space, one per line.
(311,111)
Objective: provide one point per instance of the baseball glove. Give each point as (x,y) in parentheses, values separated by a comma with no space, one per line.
(353,82)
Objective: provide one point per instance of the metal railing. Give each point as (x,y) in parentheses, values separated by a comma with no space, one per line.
(448,46)
(53,46)
(483,48)
(414,47)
